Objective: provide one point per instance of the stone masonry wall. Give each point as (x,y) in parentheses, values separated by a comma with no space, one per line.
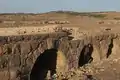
(18,53)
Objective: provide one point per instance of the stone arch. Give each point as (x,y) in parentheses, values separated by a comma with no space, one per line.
(46,61)
(86,55)
(115,48)
(110,48)
(51,60)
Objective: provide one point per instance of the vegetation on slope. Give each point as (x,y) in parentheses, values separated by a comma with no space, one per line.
(92,14)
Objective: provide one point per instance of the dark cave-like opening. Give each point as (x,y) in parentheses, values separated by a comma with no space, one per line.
(86,55)
(46,61)
(110,49)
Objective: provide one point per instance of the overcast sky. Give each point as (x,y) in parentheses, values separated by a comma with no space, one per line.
(52,5)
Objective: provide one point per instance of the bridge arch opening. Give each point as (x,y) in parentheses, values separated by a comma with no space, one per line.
(51,60)
(46,61)
(86,55)
(110,47)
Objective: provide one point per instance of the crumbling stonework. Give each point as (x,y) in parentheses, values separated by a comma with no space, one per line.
(20,52)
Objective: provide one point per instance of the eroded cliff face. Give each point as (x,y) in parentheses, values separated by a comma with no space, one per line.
(19,53)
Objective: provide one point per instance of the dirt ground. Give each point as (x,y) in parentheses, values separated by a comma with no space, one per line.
(104,70)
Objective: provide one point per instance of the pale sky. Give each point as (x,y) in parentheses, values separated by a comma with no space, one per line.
(35,6)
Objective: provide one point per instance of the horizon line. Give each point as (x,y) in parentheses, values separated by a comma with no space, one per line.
(56,11)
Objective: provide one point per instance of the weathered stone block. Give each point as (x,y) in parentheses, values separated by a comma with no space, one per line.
(15,60)
(16,49)
(34,44)
(25,48)
(4,61)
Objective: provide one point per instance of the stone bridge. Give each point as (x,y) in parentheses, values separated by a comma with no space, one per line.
(18,53)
